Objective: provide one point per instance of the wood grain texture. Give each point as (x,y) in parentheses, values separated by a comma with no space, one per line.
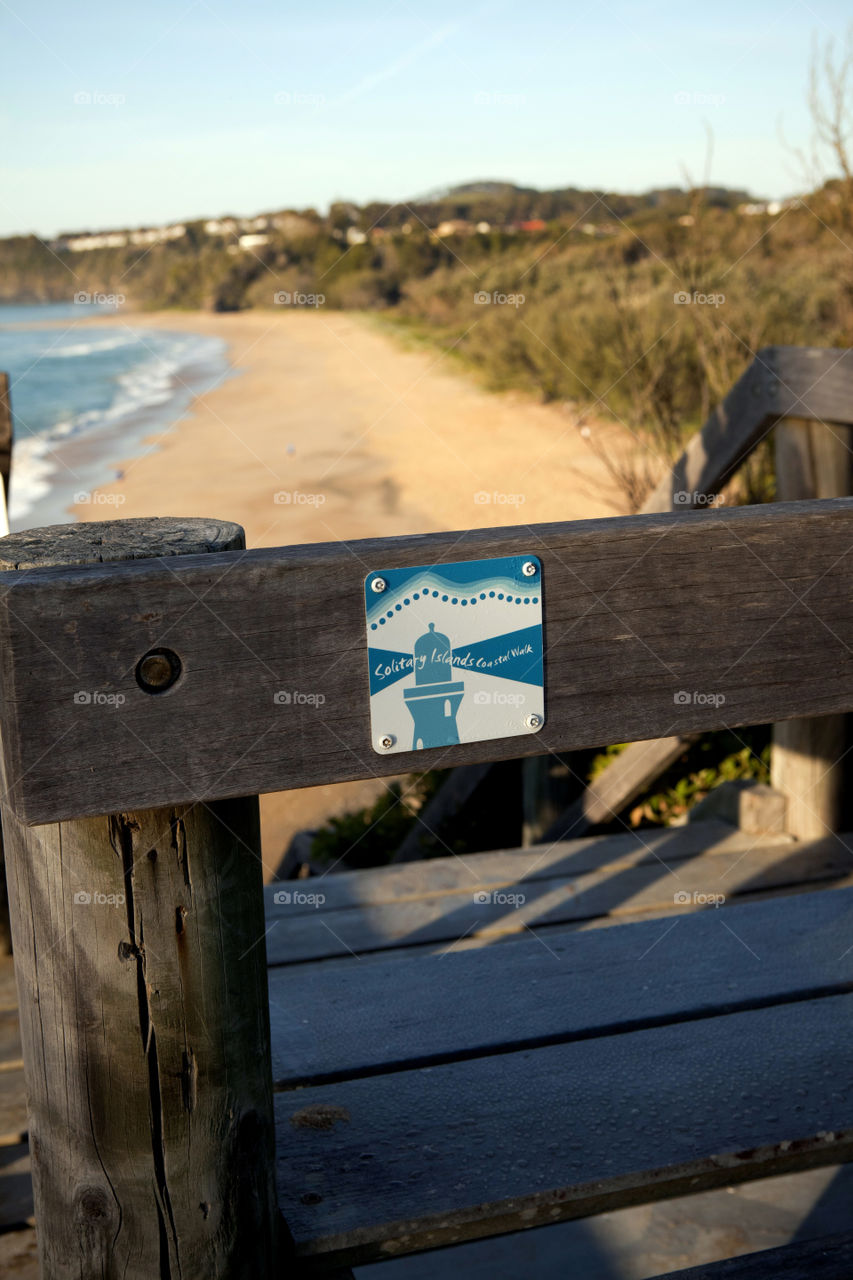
(141,975)
(807,767)
(112,540)
(343,1021)
(144,1036)
(417,1159)
(649,620)
(827,1259)
(572,899)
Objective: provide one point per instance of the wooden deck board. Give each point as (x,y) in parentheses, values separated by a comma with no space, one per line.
(634,884)
(464,872)
(542,1047)
(373,1168)
(339,1022)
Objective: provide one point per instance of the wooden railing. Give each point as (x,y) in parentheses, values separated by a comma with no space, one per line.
(139,667)
(802,399)
(806,396)
(803,383)
(145,1029)
(637,611)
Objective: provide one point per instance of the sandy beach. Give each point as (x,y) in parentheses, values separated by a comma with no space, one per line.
(333,430)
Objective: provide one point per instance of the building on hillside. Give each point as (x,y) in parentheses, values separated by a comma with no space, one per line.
(146,235)
(254,240)
(772,207)
(221,226)
(454,227)
(154,235)
(102,240)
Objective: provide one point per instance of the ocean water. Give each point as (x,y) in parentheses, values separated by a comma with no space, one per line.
(85,397)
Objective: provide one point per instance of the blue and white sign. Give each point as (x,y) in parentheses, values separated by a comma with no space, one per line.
(455,653)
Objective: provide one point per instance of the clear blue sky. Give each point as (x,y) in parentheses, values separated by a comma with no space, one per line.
(203,107)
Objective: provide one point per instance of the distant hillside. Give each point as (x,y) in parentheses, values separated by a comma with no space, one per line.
(648,305)
(214,262)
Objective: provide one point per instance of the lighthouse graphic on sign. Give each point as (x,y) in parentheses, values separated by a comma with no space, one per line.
(434,700)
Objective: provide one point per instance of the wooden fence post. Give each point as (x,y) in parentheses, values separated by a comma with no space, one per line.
(813,460)
(141,969)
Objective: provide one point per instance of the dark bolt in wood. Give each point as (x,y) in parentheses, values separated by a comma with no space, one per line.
(158,670)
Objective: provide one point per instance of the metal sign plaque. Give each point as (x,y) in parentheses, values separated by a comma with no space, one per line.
(455,653)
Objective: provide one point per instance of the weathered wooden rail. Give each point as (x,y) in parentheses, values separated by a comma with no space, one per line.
(654,625)
(803,384)
(802,399)
(139,713)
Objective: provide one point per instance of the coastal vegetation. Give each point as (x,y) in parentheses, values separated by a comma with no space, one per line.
(641,308)
(645,307)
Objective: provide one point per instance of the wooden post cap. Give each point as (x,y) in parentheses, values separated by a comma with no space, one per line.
(111,540)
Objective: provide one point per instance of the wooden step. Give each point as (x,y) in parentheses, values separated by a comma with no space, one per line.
(463,872)
(351,1020)
(378,1167)
(599,882)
